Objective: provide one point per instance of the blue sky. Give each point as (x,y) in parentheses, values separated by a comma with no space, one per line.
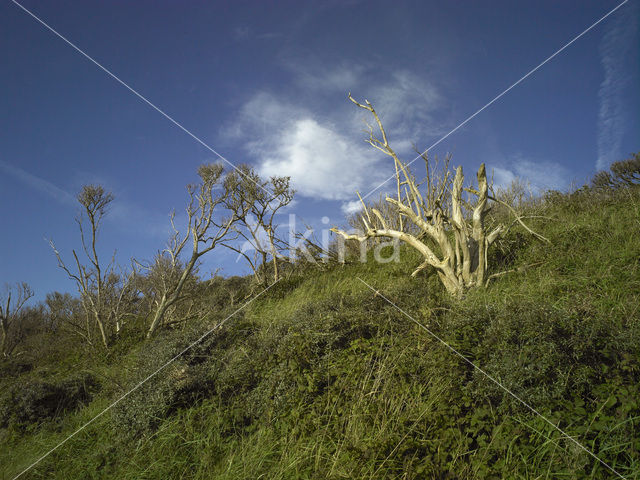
(265,83)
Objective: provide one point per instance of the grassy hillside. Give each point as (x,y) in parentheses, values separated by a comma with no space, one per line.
(321,378)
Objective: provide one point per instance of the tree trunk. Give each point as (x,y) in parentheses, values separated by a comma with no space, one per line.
(275,257)
(159,315)
(103,334)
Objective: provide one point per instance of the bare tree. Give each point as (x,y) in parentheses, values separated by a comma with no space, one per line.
(453,239)
(10,308)
(255,202)
(204,231)
(102,290)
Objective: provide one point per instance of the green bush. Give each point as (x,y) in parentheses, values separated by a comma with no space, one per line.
(35,401)
(623,173)
(178,383)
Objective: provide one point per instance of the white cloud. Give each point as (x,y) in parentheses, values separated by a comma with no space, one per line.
(349,208)
(618,44)
(322,162)
(260,118)
(502,177)
(323,151)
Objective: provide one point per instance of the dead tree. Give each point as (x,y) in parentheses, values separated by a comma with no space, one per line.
(255,202)
(453,237)
(204,231)
(9,313)
(99,286)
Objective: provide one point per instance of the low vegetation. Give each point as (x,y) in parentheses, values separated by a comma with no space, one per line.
(322,377)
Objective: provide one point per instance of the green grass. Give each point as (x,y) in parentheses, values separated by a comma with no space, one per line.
(320,378)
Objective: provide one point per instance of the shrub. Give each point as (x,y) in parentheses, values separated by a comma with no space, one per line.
(178,385)
(35,401)
(623,173)
(181,383)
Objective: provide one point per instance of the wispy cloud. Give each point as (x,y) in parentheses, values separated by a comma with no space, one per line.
(124,214)
(241,33)
(318,77)
(619,43)
(412,108)
(541,175)
(39,184)
(133,218)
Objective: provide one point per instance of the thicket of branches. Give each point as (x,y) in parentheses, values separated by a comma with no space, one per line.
(255,202)
(205,228)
